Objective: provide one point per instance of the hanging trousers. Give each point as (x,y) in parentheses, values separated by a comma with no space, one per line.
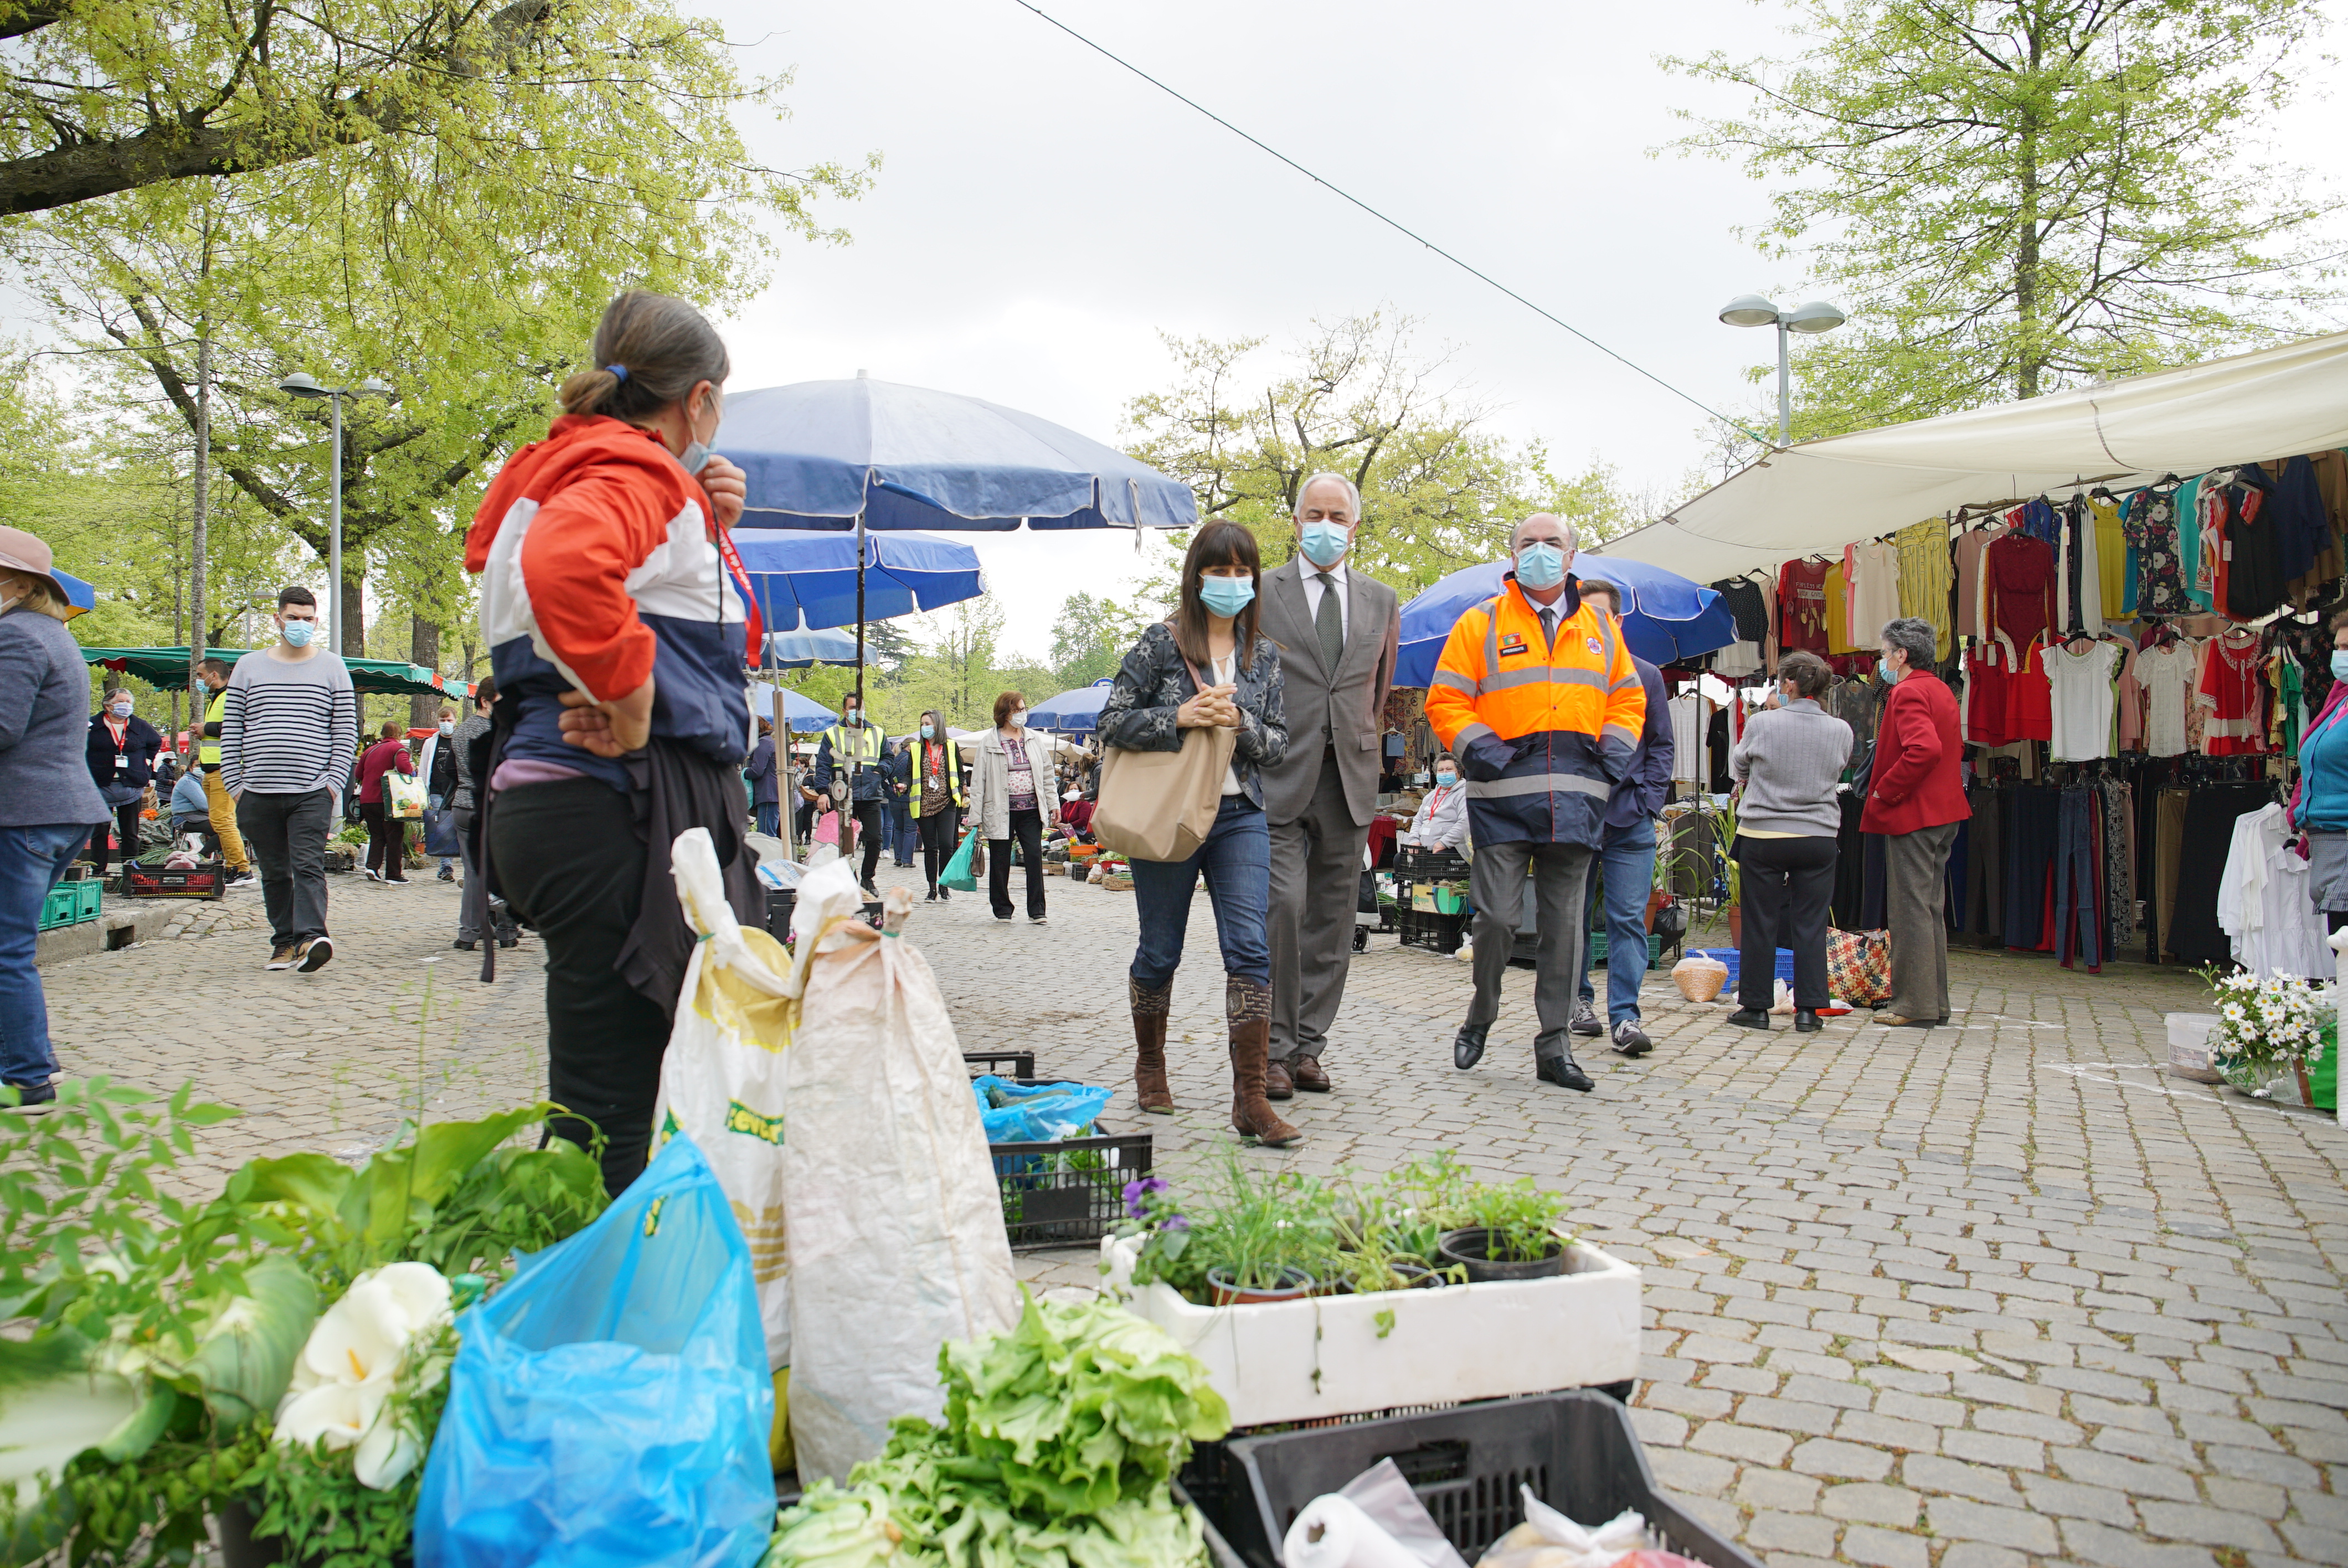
(1914,893)
(2078,861)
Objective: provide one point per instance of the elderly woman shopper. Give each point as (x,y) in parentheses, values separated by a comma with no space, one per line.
(1788,765)
(48,803)
(2320,805)
(122,748)
(1013,791)
(1207,667)
(1915,798)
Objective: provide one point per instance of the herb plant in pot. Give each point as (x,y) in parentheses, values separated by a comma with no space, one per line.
(1513,1236)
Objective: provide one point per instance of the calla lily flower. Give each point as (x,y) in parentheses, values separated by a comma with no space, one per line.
(341,1413)
(342,1385)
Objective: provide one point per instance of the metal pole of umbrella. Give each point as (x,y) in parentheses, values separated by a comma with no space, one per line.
(848,807)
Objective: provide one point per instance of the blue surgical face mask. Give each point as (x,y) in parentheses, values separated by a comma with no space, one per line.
(299,633)
(119,710)
(1226,596)
(1325,543)
(2339,664)
(1541,566)
(1890,676)
(928,731)
(1445,778)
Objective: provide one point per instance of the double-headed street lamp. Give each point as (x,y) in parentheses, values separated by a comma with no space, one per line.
(306,387)
(1753,310)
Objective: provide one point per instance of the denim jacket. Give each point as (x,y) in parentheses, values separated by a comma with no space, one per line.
(1155,679)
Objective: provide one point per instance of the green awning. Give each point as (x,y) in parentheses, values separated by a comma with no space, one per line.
(168,667)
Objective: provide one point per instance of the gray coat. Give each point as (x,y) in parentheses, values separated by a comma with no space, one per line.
(1343,711)
(44,726)
(1791,762)
(989,780)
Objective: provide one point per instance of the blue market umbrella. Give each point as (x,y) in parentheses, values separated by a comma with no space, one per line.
(1077,711)
(804,714)
(80,597)
(811,579)
(1668,619)
(803,649)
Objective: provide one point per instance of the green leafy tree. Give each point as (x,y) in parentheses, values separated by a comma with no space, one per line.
(2015,196)
(1440,490)
(1090,637)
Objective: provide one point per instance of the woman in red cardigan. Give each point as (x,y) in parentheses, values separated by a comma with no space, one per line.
(1916,797)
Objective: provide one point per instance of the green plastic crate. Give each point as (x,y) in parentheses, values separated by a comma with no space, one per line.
(1598,949)
(70,904)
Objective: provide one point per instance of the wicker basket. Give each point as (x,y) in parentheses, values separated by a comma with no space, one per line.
(1700,979)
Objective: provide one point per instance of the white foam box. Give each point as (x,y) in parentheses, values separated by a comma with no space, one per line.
(1345,1355)
(2188,1046)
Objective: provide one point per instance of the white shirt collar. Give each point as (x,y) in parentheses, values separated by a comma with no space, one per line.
(1336,573)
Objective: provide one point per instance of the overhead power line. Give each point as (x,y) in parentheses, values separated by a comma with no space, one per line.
(1397,226)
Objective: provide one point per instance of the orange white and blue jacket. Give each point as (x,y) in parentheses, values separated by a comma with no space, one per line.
(601,565)
(1541,731)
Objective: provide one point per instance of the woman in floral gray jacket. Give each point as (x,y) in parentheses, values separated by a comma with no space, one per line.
(1208,666)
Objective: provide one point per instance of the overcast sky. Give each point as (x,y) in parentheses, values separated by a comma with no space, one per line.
(1042,215)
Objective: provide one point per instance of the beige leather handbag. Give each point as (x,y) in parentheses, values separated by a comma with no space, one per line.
(1160,806)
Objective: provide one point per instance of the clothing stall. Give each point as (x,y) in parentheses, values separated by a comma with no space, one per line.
(2131,585)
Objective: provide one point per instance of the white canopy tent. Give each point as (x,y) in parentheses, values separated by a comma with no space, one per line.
(1816,498)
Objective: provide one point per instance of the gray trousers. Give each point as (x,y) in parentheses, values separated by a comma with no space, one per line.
(286,836)
(1560,878)
(1915,864)
(1316,883)
(499,914)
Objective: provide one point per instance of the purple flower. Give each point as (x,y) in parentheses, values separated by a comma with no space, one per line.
(1175,1223)
(1138,1196)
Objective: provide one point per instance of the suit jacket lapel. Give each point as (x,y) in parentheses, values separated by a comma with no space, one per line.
(1288,587)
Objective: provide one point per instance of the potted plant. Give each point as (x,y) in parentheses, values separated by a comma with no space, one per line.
(2266,1028)
(1513,1236)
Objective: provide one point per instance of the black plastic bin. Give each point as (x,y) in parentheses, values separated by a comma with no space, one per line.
(1575,1449)
(1070,1193)
(1002,1063)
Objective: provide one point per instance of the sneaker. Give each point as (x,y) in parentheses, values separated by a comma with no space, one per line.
(932,898)
(32,1100)
(1002,919)
(1585,1020)
(447,874)
(1039,920)
(311,954)
(464,944)
(1629,1040)
(281,957)
(242,879)
(394,881)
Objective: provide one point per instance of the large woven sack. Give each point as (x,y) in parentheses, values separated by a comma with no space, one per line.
(1859,967)
(1699,979)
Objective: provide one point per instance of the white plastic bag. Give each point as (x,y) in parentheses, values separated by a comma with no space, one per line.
(1547,1538)
(897,1238)
(722,1080)
(1376,1521)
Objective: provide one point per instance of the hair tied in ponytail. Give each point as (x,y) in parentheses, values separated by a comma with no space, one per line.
(619,372)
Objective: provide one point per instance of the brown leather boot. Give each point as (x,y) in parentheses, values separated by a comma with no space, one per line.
(1150,1005)
(1247,1006)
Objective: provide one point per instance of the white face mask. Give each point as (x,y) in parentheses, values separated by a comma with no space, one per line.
(1019,718)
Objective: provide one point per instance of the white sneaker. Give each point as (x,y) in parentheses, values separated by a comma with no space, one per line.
(242,879)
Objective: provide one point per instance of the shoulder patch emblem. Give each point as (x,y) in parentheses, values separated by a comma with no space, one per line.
(1595,647)
(1512,642)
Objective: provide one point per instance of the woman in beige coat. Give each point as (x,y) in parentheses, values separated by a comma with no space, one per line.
(1013,793)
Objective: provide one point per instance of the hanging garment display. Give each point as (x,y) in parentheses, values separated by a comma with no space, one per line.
(2263,904)
(1925,578)
(2018,587)
(2111,556)
(2166,671)
(1874,573)
(2150,526)
(1967,565)
(2252,568)
(2082,717)
(2232,696)
(1802,605)
(2204,840)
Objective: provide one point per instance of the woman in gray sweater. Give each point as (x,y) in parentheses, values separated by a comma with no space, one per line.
(1788,765)
(48,803)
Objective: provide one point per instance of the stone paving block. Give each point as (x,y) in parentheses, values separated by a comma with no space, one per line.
(1871,1503)
(1880,1548)
(1804,1532)
(1828,1457)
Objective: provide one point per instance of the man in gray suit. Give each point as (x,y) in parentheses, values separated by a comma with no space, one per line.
(1338,630)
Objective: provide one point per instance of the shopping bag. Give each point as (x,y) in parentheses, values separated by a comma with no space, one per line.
(896,1222)
(827,829)
(1015,1113)
(1859,967)
(403,795)
(609,1407)
(721,1082)
(1160,806)
(440,834)
(958,874)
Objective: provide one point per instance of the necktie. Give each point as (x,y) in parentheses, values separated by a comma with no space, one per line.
(1329,623)
(1549,627)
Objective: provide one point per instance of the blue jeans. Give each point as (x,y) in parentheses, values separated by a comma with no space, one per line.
(32,860)
(1237,859)
(1628,856)
(770,817)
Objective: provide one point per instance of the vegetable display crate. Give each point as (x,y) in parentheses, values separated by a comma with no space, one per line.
(1002,1063)
(1435,933)
(1575,1449)
(70,904)
(1069,1192)
(1429,866)
(1324,1356)
(205,879)
(1598,949)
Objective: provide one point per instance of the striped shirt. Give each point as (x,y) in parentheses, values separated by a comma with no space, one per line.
(291,726)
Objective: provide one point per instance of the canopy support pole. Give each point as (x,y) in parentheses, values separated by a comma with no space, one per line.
(848,807)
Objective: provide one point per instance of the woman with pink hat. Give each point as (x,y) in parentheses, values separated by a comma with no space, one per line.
(48,803)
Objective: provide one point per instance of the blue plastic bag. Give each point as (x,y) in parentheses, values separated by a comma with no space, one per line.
(609,1406)
(1047,1120)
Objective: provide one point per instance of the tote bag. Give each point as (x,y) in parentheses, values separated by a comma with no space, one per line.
(960,874)
(403,795)
(1160,806)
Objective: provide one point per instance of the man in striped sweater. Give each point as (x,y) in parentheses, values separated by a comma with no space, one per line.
(288,732)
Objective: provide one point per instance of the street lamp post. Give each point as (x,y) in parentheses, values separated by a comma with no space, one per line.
(1753,310)
(306,387)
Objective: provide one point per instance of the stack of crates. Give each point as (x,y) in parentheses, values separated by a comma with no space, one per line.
(1431,899)
(71,904)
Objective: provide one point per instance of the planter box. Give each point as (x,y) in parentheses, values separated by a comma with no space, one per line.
(1326,1356)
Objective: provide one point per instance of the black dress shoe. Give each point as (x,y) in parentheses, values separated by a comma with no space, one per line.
(1805,1020)
(1749,1018)
(461,944)
(1564,1071)
(1468,1046)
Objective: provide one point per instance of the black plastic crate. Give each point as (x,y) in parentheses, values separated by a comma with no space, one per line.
(1002,1063)
(1424,929)
(1069,1192)
(1430,864)
(205,879)
(1575,1449)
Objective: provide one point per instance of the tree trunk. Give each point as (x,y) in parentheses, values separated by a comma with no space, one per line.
(2032,357)
(351,635)
(424,648)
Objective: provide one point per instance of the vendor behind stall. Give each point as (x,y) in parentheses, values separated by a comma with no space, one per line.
(1442,819)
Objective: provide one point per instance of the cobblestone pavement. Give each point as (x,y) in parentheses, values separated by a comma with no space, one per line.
(1993,1294)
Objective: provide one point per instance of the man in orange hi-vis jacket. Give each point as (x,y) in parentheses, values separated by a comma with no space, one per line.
(1537,697)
